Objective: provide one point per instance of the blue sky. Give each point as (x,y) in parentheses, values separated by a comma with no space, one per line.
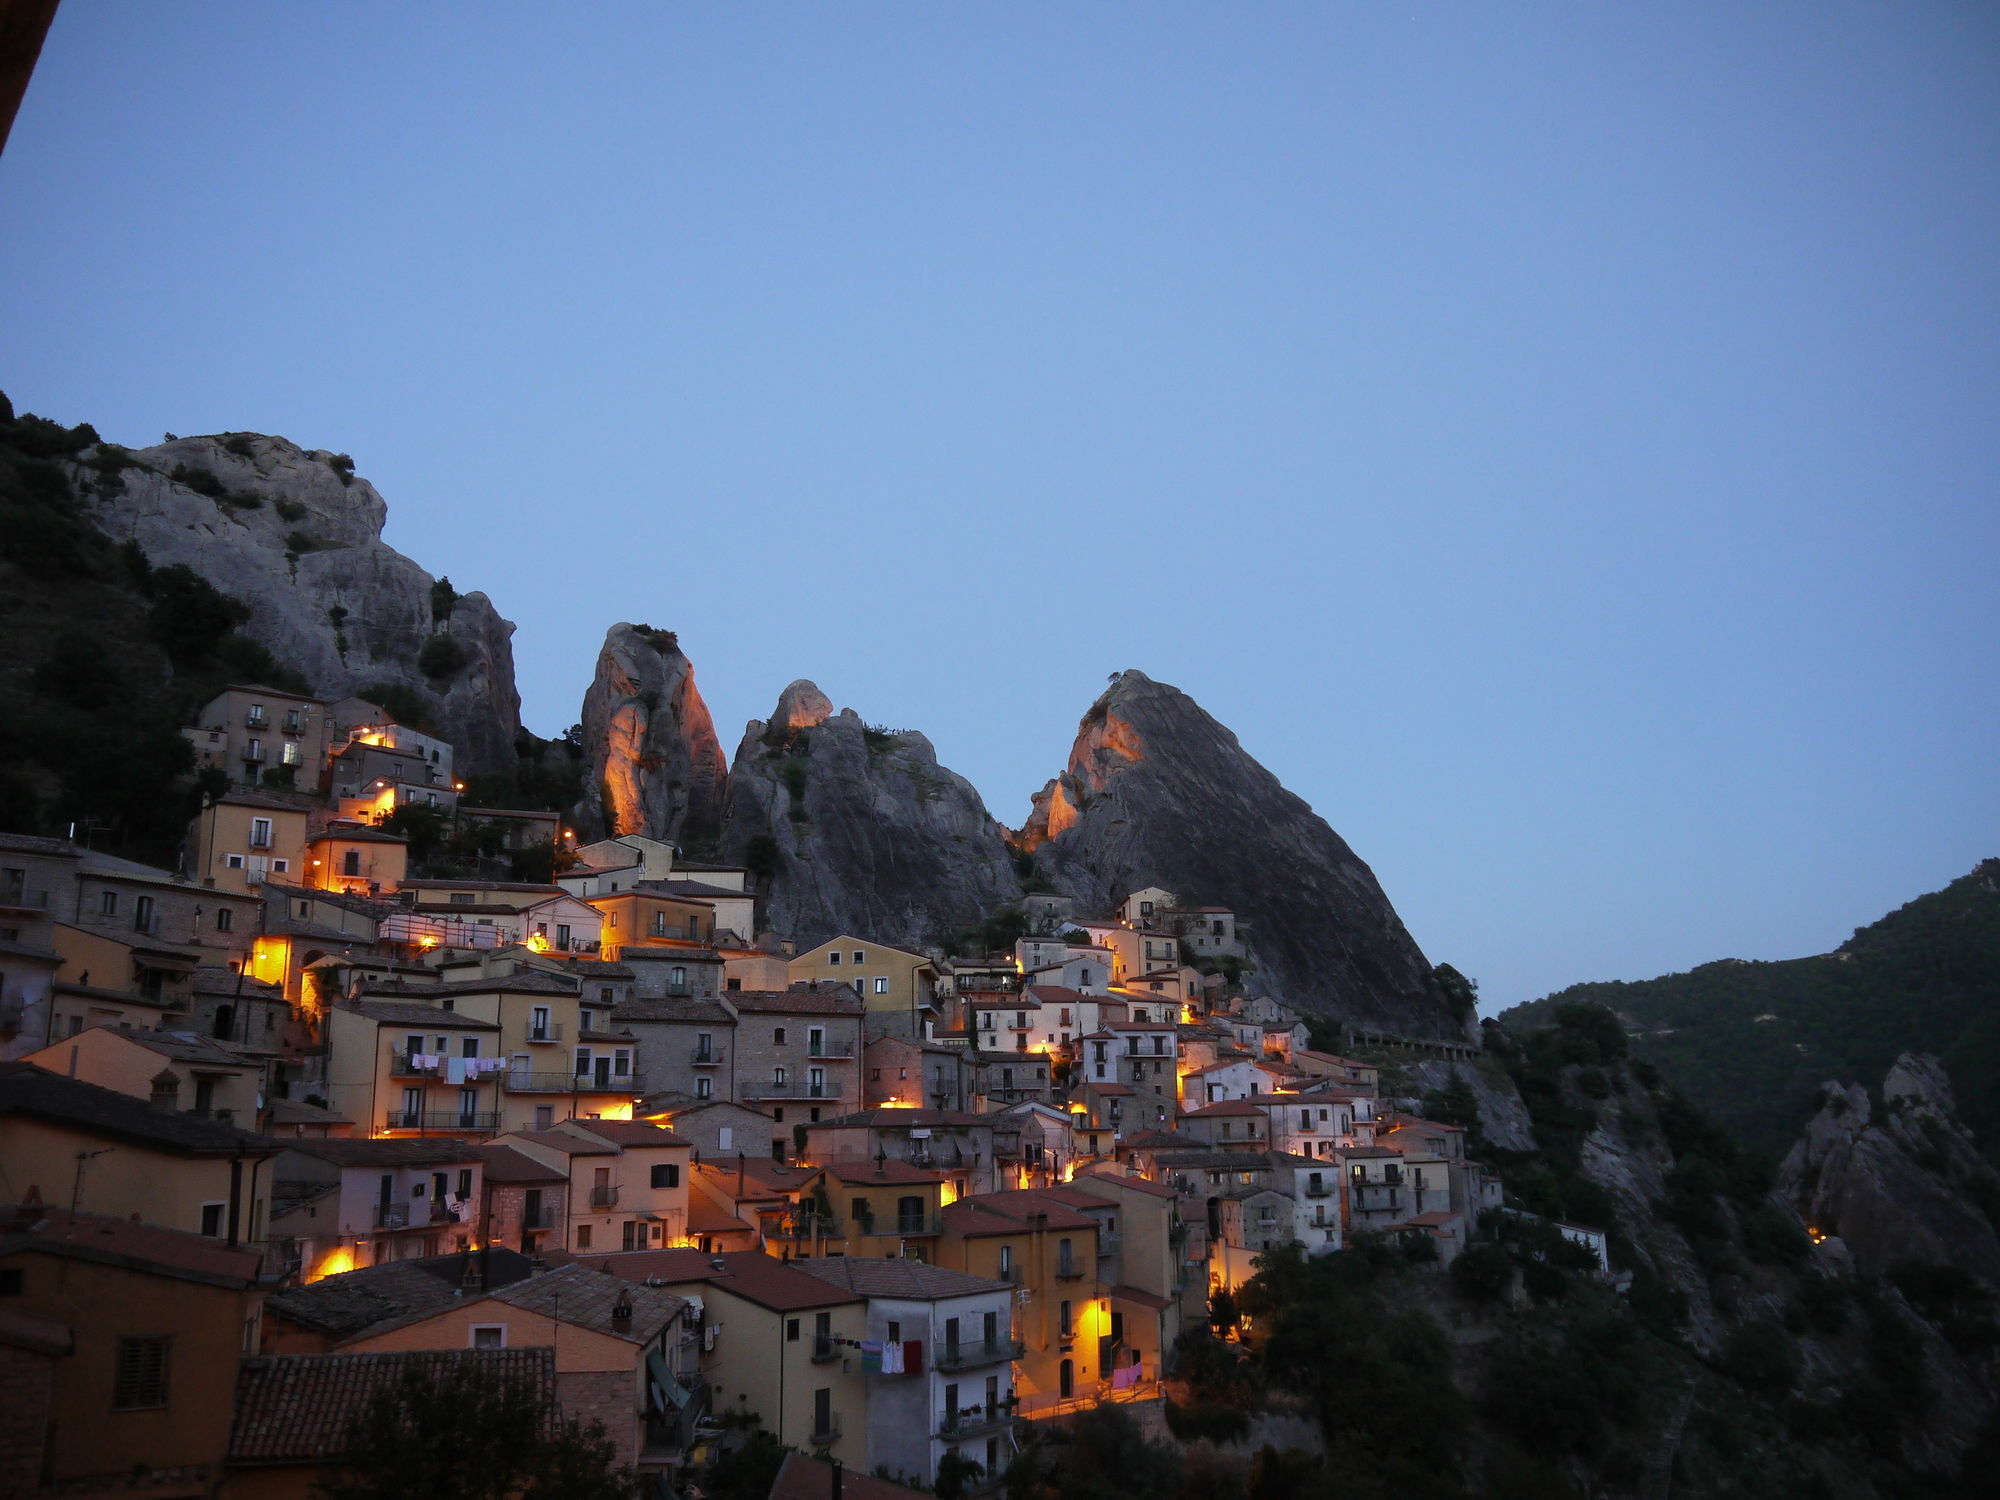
(1558,439)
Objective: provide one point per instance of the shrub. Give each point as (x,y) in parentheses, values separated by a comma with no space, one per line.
(444,599)
(760,856)
(441,659)
(1483,1272)
(238,443)
(342,465)
(402,703)
(1206,1419)
(288,510)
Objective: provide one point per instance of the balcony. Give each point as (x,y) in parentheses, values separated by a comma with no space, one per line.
(1068,1270)
(542,1218)
(983,1352)
(773,1089)
(541,1083)
(1316,1188)
(392,1216)
(706,1057)
(1109,1243)
(606,1082)
(826,1430)
(255,718)
(976,1421)
(803,1226)
(548,1031)
(835,1050)
(405,1065)
(253,752)
(825,1350)
(604,1197)
(446,1120)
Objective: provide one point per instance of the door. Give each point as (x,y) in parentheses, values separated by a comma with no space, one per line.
(1066,1379)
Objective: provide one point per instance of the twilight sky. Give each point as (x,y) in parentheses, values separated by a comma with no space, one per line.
(1559,439)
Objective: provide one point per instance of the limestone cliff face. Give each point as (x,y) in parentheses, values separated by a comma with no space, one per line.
(860,831)
(1901,1184)
(280,528)
(1157,792)
(655,765)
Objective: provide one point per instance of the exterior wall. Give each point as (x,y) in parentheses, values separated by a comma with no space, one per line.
(720,1133)
(227,845)
(1142,906)
(504,1220)
(377,865)
(672,973)
(562,924)
(27,1001)
(634,918)
(182,911)
(761,1053)
(27,1401)
(670,1057)
(207,1328)
(130,1180)
(890,981)
(910,1417)
(366,1081)
(755,1367)
(227,727)
(1037,1268)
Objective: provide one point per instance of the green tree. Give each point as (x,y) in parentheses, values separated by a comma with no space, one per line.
(507,1442)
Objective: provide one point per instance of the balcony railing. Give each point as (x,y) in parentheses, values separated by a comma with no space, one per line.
(392,1216)
(972,1421)
(826,1430)
(706,1057)
(542,1218)
(1318,1189)
(1108,1244)
(405,1065)
(981,1352)
(1068,1270)
(548,1031)
(604,1197)
(606,1083)
(804,1226)
(831,1049)
(407,1119)
(540,1083)
(790,1089)
(825,1350)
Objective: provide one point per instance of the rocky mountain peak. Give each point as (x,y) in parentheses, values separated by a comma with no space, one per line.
(1155,791)
(297,535)
(802,706)
(655,766)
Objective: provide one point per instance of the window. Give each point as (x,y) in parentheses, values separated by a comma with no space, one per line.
(260,833)
(141,1379)
(791,1330)
(465,1182)
(107,903)
(777,1036)
(874,1075)
(225,919)
(704,1088)
(350,862)
(860,956)
(1066,1321)
(583,1236)
(13,1282)
(666,1175)
(833,959)
(234,861)
(461,898)
(211,1220)
(881,986)
(468,1046)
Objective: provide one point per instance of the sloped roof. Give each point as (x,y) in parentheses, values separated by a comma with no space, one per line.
(750,1274)
(343,1305)
(297,1408)
(830,999)
(409,1013)
(505,1164)
(585,1298)
(630,1133)
(895,1277)
(28,1090)
(802,1478)
(674,1008)
(367,1152)
(109,1241)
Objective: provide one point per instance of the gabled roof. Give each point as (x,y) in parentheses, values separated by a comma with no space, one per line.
(344,1304)
(585,1298)
(629,1133)
(37,1093)
(894,1277)
(368,1152)
(409,1013)
(860,1171)
(674,1008)
(802,1478)
(829,998)
(565,1143)
(124,1242)
(750,1274)
(180,1046)
(1223,1108)
(1012,1213)
(917,1118)
(297,1408)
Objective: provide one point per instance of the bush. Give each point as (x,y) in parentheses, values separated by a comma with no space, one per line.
(444,599)
(1761,1356)
(342,465)
(1483,1272)
(1207,1419)
(401,703)
(441,659)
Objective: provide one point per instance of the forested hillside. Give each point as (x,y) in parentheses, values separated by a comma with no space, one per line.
(1752,1042)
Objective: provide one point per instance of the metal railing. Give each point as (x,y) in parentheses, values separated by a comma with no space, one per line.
(1068,1270)
(609,1083)
(604,1197)
(405,1065)
(551,1031)
(790,1089)
(804,1226)
(705,1057)
(1320,1189)
(825,1431)
(542,1218)
(1108,1243)
(406,1119)
(825,1350)
(980,1352)
(392,1216)
(539,1083)
(971,1421)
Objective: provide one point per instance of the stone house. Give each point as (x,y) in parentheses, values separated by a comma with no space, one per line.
(900,988)
(899,1070)
(248,731)
(525,1203)
(960,1146)
(1228,1125)
(685,1047)
(798,1050)
(718,1129)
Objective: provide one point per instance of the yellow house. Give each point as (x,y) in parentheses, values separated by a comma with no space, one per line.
(871,1208)
(104,981)
(359,861)
(634,917)
(1033,1240)
(96,1149)
(891,981)
(240,838)
(402,1067)
(251,731)
(155,1321)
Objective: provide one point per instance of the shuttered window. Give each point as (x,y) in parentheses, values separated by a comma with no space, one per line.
(142,1374)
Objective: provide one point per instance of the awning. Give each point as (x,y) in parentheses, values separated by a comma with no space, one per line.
(667,1393)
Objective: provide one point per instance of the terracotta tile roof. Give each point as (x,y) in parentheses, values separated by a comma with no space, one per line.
(802,1478)
(170,1252)
(921,1118)
(297,1408)
(567,1144)
(707,1216)
(630,1133)
(1010,1212)
(749,1274)
(356,836)
(386,1153)
(863,1170)
(761,1176)
(28,1090)
(298,1112)
(674,1008)
(1222,1108)
(895,1277)
(1145,1185)
(830,999)
(409,1013)
(505,1164)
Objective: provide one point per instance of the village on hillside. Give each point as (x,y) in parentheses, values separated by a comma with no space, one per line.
(290,1121)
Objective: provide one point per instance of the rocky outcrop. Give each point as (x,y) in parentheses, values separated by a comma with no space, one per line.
(1503,1118)
(1157,792)
(299,540)
(655,765)
(860,830)
(1897,1184)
